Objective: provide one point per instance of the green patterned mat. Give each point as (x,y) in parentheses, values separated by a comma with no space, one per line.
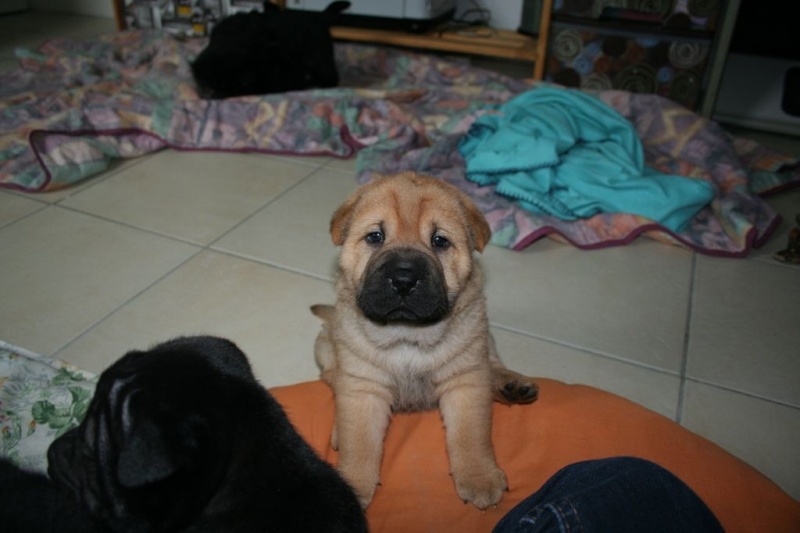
(40,399)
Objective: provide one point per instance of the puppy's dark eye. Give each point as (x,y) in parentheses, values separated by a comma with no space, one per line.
(440,242)
(376,237)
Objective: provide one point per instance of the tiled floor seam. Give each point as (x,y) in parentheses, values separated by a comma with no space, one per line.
(131,226)
(308,160)
(687,332)
(122,165)
(17,220)
(266,205)
(744,393)
(32,196)
(84,184)
(765,260)
(586,350)
(127,301)
(264,262)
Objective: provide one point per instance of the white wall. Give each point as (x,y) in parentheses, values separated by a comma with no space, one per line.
(12,6)
(506,14)
(95,8)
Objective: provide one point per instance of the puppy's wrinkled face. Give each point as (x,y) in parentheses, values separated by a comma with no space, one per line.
(407,242)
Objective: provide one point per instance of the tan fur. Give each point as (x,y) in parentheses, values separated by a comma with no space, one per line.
(377,368)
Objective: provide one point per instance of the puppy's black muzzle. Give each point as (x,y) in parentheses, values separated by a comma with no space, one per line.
(404,285)
(405,278)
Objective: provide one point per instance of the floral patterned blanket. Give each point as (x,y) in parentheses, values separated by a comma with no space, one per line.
(40,399)
(73,106)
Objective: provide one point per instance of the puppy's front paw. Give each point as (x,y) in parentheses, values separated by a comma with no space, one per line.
(365,491)
(512,387)
(363,483)
(334,437)
(481,489)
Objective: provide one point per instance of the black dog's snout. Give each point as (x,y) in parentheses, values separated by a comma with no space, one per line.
(404,280)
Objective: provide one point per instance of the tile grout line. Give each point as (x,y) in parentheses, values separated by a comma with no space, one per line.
(686,339)
(205,246)
(131,226)
(16,221)
(772,262)
(128,301)
(745,393)
(83,184)
(264,262)
(585,350)
(263,207)
(200,248)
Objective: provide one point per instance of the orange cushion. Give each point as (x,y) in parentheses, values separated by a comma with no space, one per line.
(569,423)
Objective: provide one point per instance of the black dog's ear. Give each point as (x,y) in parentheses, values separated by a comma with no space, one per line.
(335,8)
(145,457)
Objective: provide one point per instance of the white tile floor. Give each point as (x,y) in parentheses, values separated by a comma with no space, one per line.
(237,245)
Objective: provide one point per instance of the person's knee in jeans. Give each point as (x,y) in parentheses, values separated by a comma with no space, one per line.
(620,494)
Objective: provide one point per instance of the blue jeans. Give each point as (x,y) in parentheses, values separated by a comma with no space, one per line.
(617,495)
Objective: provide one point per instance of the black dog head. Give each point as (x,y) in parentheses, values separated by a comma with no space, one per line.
(152,449)
(183,438)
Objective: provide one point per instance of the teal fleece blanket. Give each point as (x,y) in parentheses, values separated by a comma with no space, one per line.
(565,153)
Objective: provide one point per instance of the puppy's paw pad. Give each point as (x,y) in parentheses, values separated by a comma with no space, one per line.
(520,392)
(482,490)
(515,388)
(365,494)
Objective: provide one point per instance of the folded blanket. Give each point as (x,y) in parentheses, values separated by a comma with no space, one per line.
(565,153)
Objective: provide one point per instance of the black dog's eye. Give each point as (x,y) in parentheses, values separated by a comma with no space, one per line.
(440,242)
(376,237)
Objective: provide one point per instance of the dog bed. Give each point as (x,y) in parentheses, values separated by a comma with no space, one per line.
(74,106)
(568,424)
(41,397)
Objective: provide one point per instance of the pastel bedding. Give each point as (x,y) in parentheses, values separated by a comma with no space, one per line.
(72,107)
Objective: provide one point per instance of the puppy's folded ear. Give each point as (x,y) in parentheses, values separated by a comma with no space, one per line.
(480,231)
(340,222)
(145,457)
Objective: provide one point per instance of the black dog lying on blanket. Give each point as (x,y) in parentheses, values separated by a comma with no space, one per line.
(183,438)
(270,52)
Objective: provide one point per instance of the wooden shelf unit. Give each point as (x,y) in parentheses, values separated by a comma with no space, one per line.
(490,42)
(495,43)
